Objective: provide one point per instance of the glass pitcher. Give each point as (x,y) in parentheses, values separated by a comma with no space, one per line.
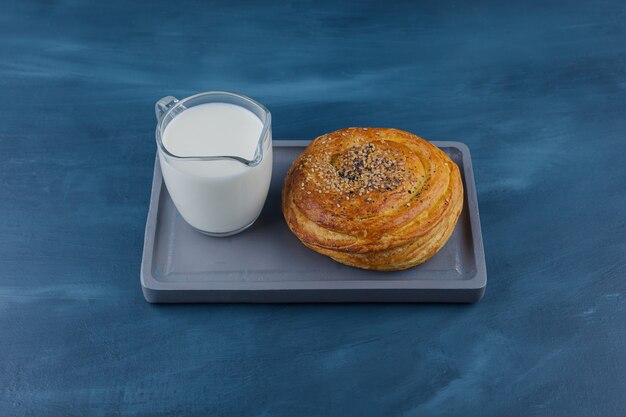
(219,195)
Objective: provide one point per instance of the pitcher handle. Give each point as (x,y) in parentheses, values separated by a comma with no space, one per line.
(162,106)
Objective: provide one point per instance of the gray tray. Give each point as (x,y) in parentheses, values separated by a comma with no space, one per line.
(267,263)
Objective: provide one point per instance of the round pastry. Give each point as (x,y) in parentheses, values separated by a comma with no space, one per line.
(381,199)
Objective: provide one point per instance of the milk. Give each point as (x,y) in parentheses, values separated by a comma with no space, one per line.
(221,196)
(213,129)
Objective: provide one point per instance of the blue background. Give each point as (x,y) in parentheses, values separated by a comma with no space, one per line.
(536,89)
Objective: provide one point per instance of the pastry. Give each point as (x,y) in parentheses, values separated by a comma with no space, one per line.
(373,198)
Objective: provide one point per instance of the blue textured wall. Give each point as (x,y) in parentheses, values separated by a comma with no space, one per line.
(536,89)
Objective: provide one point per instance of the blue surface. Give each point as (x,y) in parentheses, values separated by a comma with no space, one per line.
(536,89)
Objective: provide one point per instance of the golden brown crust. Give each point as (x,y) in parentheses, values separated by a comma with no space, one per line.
(373,198)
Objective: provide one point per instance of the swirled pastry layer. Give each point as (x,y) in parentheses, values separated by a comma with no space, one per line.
(381,199)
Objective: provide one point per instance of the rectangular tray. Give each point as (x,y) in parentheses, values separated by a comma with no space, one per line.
(268,264)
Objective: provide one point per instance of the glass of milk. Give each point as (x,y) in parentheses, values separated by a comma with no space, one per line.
(215,151)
